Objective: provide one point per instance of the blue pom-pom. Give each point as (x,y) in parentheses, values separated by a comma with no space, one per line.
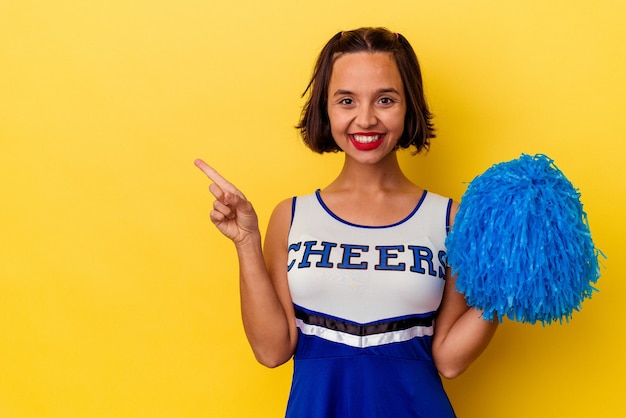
(521,245)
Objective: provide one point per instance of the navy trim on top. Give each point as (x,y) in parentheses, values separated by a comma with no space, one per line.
(448,212)
(293,210)
(321,202)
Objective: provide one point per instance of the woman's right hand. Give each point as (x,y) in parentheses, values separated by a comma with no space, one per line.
(266,306)
(232,213)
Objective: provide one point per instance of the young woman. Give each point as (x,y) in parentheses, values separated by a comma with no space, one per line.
(352,281)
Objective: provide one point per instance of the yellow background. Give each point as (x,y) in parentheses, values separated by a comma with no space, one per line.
(117,296)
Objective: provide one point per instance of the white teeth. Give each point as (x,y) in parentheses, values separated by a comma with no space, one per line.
(366,139)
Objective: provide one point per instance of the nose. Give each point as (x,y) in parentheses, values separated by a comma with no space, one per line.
(366,117)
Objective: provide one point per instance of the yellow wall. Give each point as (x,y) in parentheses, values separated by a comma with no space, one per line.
(119,299)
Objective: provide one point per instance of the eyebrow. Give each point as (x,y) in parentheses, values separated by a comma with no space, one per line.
(342,92)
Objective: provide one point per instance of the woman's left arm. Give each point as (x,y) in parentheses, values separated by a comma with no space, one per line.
(461,333)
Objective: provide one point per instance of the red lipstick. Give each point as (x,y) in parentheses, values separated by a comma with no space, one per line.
(366,141)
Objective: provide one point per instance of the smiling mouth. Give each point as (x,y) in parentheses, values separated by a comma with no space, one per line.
(366,139)
(366,142)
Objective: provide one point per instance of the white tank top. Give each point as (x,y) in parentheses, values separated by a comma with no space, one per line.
(365,274)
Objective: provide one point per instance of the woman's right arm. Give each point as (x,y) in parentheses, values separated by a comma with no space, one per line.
(266,307)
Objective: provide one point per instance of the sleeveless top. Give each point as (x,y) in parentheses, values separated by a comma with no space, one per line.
(365,299)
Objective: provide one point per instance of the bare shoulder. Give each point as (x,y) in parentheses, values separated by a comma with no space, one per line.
(281,215)
(278,227)
(283,207)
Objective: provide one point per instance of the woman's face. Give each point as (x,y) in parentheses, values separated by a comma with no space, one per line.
(366,105)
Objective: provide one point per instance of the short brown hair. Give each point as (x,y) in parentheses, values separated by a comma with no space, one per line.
(314,124)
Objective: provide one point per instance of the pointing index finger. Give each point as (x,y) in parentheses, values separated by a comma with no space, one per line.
(217,178)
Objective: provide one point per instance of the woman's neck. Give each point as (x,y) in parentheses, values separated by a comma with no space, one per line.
(385,175)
